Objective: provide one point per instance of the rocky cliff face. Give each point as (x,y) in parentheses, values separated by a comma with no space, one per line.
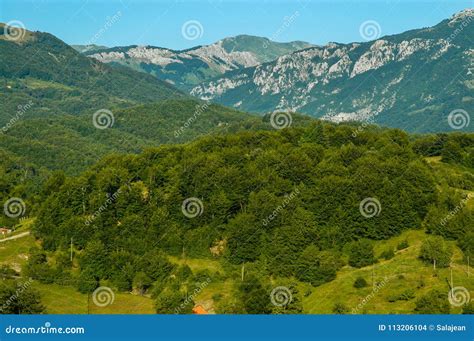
(190,67)
(411,80)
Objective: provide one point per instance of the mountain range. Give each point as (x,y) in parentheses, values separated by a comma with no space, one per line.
(411,80)
(187,68)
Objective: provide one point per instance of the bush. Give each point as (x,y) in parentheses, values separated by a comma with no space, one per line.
(317,267)
(87,282)
(340,308)
(403,296)
(468,308)
(434,302)
(435,250)
(217,297)
(19,298)
(171,301)
(361,253)
(402,245)
(387,254)
(360,283)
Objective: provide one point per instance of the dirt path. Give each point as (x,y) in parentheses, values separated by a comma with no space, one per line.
(20,235)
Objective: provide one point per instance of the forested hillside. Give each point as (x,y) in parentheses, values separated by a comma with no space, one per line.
(295,204)
(63,111)
(73,142)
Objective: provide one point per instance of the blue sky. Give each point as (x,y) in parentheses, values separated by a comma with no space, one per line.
(160,22)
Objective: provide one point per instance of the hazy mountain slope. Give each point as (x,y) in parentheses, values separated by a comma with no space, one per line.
(62,110)
(88,48)
(411,80)
(71,142)
(189,67)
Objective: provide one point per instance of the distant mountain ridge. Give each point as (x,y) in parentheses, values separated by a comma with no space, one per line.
(411,80)
(88,48)
(189,67)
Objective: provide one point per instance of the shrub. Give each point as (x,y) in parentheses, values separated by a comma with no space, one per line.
(361,253)
(436,251)
(468,308)
(434,302)
(387,254)
(402,245)
(340,308)
(360,283)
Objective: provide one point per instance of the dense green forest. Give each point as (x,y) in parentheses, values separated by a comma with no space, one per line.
(285,204)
